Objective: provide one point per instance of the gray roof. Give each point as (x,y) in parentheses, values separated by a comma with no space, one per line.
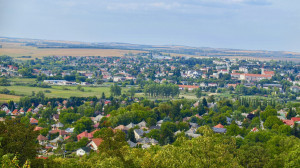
(160,122)
(69,130)
(146,140)
(58,125)
(154,127)
(131,144)
(98,117)
(140,132)
(190,131)
(131,125)
(86,149)
(142,124)
(195,125)
(219,130)
(58,139)
(193,135)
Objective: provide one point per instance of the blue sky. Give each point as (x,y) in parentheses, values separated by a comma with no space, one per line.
(241,24)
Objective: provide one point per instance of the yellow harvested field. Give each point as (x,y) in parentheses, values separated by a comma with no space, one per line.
(38,53)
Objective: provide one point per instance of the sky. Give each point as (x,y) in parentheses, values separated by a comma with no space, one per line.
(239,24)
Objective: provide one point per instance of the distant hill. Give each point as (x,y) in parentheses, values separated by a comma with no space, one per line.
(18,47)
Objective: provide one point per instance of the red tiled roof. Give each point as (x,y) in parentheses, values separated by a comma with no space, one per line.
(84,134)
(288,122)
(15,112)
(67,137)
(97,141)
(41,138)
(33,121)
(254,129)
(38,128)
(295,119)
(233,85)
(269,72)
(219,126)
(121,127)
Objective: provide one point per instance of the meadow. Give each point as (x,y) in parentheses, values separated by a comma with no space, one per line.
(55,91)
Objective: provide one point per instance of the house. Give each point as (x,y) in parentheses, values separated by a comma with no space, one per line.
(254,77)
(131,144)
(295,119)
(98,118)
(38,128)
(219,129)
(62,133)
(83,151)
(189,87)
(219,126)
(231,85)
(193,125)
(139,133)
(149,141)
(56,141)
(212,85)
(55,117)
(69,130)
(57,126)
(122,128)
(131,125)
(95,142)
(228,120)
(42,140)
(191,133)
(159,123)
(254,129)
(288,122)
(33,121)
(142,124)
(84,134)
(295,89)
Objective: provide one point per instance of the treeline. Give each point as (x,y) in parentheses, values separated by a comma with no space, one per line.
(161,90)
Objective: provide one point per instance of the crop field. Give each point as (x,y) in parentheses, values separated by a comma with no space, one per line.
(39,53)
(56,91)
(5,98)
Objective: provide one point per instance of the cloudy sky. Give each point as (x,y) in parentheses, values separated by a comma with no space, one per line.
(241,24)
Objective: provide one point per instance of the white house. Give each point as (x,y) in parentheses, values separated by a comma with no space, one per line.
(83,151)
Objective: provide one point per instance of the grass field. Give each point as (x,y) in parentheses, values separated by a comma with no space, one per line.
(5,98)
(57,91)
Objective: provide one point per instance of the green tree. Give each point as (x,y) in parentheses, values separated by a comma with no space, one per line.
(271,121)
(83,124)
(115,90)
(112,142)
(204,102)
(18,139)
(233,130)
(198,93)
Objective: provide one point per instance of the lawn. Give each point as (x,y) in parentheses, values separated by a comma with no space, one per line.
(60,91)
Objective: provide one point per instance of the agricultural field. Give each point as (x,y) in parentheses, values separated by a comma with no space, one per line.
(57,91)
(5,98)
(15,50)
